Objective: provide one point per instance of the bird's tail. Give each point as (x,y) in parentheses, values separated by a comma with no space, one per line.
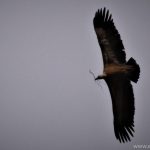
(134,73)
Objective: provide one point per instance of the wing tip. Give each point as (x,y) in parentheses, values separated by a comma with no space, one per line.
(124,133)
(102,17)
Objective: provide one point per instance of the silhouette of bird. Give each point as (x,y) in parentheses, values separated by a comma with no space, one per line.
(118,74)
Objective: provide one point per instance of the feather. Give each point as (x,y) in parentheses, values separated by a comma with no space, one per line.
(123,105)
(106,30)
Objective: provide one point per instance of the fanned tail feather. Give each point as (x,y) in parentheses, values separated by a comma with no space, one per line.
(135,72)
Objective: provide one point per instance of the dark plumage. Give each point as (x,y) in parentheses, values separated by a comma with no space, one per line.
(118,74)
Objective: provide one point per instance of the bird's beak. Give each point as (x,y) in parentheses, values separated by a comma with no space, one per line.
(97,78)
(100,77)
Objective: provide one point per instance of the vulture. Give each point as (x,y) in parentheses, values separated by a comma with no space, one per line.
(118,74)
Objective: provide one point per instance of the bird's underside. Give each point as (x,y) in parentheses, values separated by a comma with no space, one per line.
(118,74)
(111,69)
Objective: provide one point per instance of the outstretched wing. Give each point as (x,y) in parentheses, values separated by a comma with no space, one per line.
(108,38)
(123,106)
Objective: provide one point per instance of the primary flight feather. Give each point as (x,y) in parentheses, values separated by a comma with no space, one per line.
(118,74)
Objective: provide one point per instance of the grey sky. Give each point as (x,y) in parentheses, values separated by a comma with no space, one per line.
(48,99)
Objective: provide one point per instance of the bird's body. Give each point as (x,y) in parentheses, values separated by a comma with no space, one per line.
(117,68)
(118,74)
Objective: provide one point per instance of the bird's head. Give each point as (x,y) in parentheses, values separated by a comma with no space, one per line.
(99,77)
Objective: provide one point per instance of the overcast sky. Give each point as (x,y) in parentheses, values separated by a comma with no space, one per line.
(48,99)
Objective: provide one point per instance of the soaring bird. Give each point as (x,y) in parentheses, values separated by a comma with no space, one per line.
(118,74)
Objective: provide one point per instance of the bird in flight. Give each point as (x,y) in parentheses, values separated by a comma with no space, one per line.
(118,74)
